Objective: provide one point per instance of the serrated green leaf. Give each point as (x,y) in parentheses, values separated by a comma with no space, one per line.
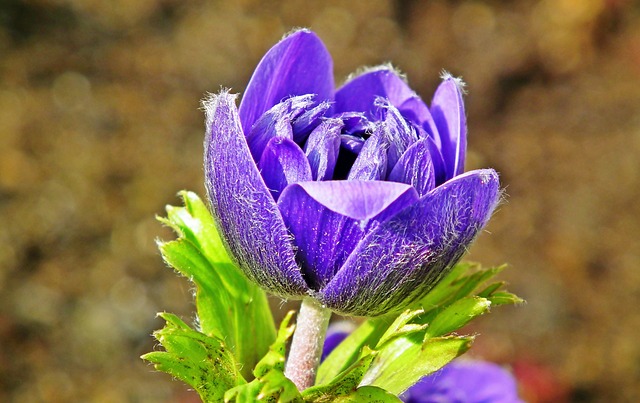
(449,306)
(275,358)
(369,394)
(457,315)
(344,384)
(401,326)
(270,383)
(229,306)
(467,284)
(349,350)
(443,290)
(491,288)
(199,360)
(405,360)
(504,298)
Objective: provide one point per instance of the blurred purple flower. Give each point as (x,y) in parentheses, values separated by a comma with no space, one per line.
(465,381)
(355,196)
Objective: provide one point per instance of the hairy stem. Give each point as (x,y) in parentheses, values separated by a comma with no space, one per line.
(306,346)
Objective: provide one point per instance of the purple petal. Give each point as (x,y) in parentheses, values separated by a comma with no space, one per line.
(415,168)
(436,156)
(447,109)
(299,64)
(283,163)
(417,111)
(465,381)
(438,163)
(360,94)
(247,216)
(371,163)
(352,143)
(328,219)
(322,149)
(309,120)
(276,122)
(399,134)
(401,259)
(355,123)
(336,333)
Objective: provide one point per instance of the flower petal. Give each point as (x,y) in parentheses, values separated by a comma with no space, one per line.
(401,259)
(352,143)
(309,120)
(371,163)
(322,149)
(299,64)
(247,216)
(328,219)
(360,93)
(415,168)
(283,163)
(447,109)
(465,381)
(417,111)
(399,134)
(355,123)
(276,122)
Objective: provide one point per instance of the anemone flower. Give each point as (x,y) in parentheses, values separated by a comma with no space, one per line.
(352,199)
(355,197)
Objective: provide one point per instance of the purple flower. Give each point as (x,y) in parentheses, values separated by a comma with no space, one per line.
(355,196)
(465,381)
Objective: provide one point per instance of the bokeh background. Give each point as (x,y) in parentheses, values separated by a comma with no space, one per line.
(100,127)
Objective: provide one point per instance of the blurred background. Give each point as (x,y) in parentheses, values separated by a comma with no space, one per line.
(100,127)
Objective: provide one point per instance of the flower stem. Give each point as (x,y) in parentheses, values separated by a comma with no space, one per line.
(306,346)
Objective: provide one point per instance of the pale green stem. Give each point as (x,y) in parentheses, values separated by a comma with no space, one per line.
(306,346)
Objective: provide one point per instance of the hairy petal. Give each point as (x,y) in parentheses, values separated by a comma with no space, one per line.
(352,143)
(276,122)
(415,168)
(371,163)
(247,216)
(399,134)
(299,64)
(417,111)
(309,120)
(328,219)
(355,123)
(283,163)
(360,94)
(447,109)
(322,149)
(403,257)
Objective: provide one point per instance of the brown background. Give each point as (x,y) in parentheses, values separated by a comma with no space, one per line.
(100,127)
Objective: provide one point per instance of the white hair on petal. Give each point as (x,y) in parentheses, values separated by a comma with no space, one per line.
(368,69)
(458,81)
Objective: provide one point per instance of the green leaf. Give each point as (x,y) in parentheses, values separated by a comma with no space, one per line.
(504,298)
(349,350)
(401,326)
(269,384)
(344,384)
(229,306)
(409,351)
(457,315)
(464,280)
(444,289)
(199,360)
(368,394)
(467,284)
(405,360)
(491,288)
